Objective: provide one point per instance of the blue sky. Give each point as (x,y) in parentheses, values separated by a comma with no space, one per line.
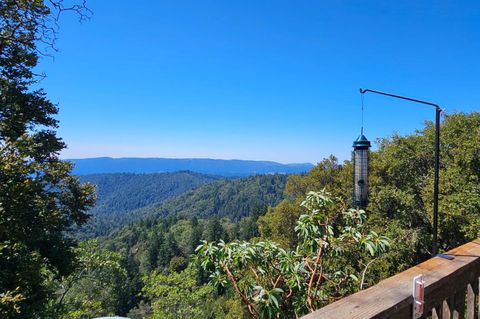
(266,80)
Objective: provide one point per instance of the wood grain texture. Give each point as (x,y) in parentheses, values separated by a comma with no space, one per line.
(470,302)
(392,297)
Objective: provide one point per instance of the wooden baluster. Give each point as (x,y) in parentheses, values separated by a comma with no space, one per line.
(459,306)
(470,302)
(476,296)
(447,308)
(437,312)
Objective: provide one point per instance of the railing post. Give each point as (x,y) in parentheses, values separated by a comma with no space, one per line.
(447,308)
(459,306)
(470,302)
(437,312)
(477,291)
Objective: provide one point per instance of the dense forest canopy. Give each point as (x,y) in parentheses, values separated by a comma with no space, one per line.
(225,209)
(225,198)
(125,198)
(120,195)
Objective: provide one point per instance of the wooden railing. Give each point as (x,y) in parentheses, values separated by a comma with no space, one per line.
(451,291)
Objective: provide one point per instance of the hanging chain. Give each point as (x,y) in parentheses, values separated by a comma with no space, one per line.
(363,96)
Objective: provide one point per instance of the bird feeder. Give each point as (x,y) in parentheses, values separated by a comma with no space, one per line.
(360,171)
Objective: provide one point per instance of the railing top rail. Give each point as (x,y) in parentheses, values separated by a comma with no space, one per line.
(392,297)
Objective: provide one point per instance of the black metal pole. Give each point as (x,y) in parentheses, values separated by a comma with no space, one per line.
(438,111)
(435,181)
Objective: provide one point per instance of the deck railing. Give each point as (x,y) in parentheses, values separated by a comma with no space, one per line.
(451,291)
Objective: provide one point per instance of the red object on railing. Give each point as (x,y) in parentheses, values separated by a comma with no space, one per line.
(418,296)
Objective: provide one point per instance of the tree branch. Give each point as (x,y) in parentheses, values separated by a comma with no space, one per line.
(364,272)
(245,300)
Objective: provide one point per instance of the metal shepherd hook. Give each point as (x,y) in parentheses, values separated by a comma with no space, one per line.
(438,111)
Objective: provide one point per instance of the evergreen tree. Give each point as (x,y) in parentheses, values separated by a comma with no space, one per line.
(214,230)
(196,233)
(39,199)
(168,250)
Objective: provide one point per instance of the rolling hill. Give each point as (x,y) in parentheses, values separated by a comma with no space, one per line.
(234,199)
(120,194)
(175,226)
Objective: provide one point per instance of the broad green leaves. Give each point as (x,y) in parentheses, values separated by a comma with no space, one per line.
(273,282)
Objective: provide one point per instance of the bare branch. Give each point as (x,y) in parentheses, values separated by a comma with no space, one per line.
(364,272)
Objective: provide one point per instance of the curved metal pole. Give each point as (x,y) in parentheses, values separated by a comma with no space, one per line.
(438,111)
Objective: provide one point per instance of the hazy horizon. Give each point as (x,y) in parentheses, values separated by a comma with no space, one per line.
(184,158)
(257,80)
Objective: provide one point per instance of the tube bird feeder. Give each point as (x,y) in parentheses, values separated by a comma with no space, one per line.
(361,147)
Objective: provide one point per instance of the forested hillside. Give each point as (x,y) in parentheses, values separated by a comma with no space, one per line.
(119,194)
(171,230)
(225,198)
(228,199)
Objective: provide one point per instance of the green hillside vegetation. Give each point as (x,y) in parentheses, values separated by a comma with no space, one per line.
(223,209)
(168,236)
(400,208)
(121,193)
(253,223)
(273,282)
(224,198)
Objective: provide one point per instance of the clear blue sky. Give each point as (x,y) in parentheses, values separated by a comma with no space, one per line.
(267,80)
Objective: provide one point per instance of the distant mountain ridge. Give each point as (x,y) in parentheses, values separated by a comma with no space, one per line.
(100,165)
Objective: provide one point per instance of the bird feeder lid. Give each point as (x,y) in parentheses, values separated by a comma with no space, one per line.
(361,142)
